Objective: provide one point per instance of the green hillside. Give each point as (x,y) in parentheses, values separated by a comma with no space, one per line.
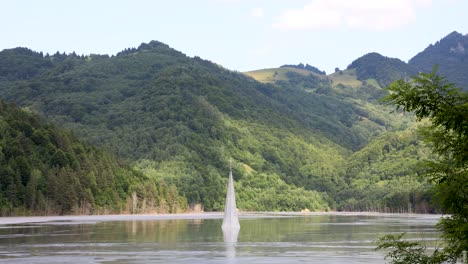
(383,176)
(45,170)
(187,116)
(286,73)
(341,84)
(179,120)
(383,69)
(345,78)
(276,74)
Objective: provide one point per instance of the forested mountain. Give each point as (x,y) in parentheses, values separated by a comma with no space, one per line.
(45,170)
(299,139)
(451,54)
(383,69)
(180,119)
(383,176)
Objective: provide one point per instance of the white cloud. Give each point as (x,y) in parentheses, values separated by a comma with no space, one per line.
(257,12)
(353,14)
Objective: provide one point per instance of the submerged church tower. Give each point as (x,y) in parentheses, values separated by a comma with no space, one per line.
(231,220)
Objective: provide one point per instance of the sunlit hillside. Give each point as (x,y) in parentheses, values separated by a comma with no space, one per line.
(275,74)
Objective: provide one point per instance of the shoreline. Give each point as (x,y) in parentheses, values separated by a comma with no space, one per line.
(90,219)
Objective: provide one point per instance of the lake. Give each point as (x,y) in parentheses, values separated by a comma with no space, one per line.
(198,238)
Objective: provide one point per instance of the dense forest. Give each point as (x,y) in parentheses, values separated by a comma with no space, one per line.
(383,69)
(46,170)
(303,140)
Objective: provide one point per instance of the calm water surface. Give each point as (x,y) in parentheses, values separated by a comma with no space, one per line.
(263,238)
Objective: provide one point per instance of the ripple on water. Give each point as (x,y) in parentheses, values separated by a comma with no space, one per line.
(273,239)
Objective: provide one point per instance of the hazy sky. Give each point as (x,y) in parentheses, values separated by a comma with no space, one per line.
(238,34)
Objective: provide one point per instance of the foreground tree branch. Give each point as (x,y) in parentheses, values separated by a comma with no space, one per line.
(431,96)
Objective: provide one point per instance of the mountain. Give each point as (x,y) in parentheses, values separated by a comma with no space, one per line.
(45,170)
(180,119)
(383,175)
(341,85)
(383,69)
(299,139)
(451,56)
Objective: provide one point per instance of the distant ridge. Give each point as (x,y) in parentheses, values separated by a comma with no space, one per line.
(451,54)
(299,138)
(383,69)
(306,67)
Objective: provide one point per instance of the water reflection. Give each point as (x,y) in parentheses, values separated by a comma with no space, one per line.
(311,239)
(230,240)
(230,235)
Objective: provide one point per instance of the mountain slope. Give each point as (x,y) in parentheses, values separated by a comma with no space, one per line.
(179,120)
(188,117)
(383,69)
(451,56)
(44,170)
(383,176)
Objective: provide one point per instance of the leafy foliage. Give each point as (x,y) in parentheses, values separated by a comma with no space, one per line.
(430,96)
(383,176)
(404,252)
(44,170)
(268,192)
(22,63)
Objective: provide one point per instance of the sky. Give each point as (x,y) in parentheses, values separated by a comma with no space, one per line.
(240,35)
